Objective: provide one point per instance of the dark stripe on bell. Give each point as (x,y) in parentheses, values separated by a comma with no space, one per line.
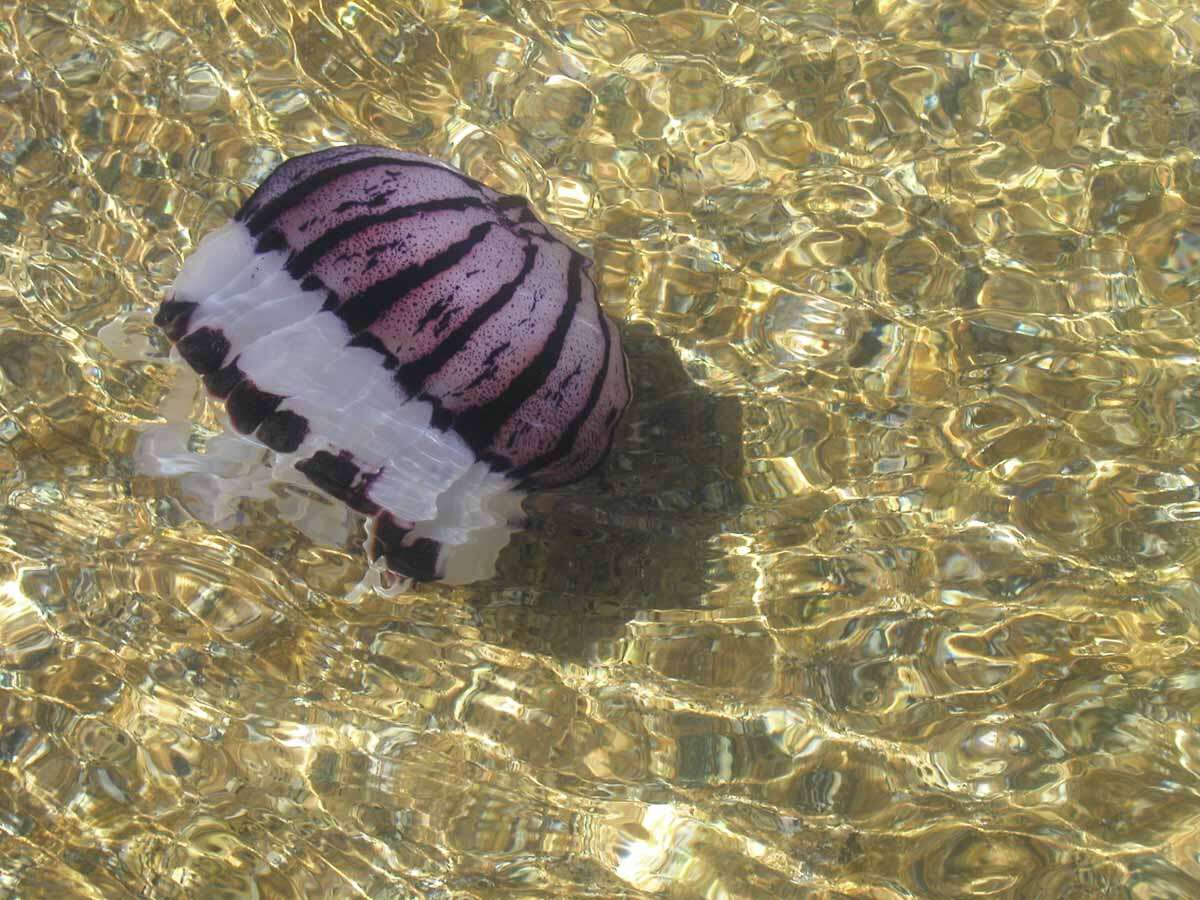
(442,418)
(283,431)
(248,406)
(271,240)
(368,341)
(204,349)
(567,442)
(299,265)
(172,317)
(281,174)
(417,560)
(222,382)
(412,375)
(340,477)
(301,191)
(362,310)
(479,425)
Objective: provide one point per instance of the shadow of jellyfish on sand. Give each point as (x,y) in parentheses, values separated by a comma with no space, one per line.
(638,537)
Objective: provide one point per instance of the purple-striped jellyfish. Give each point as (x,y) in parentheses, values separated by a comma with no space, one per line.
(412,343)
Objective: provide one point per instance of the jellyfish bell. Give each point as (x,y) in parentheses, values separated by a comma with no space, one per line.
(405,340)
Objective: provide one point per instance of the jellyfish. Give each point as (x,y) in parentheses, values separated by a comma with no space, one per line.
(407,341)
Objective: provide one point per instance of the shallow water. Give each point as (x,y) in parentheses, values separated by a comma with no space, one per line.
(890,589)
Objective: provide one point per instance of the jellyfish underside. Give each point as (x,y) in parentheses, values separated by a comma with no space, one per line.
(217,472)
